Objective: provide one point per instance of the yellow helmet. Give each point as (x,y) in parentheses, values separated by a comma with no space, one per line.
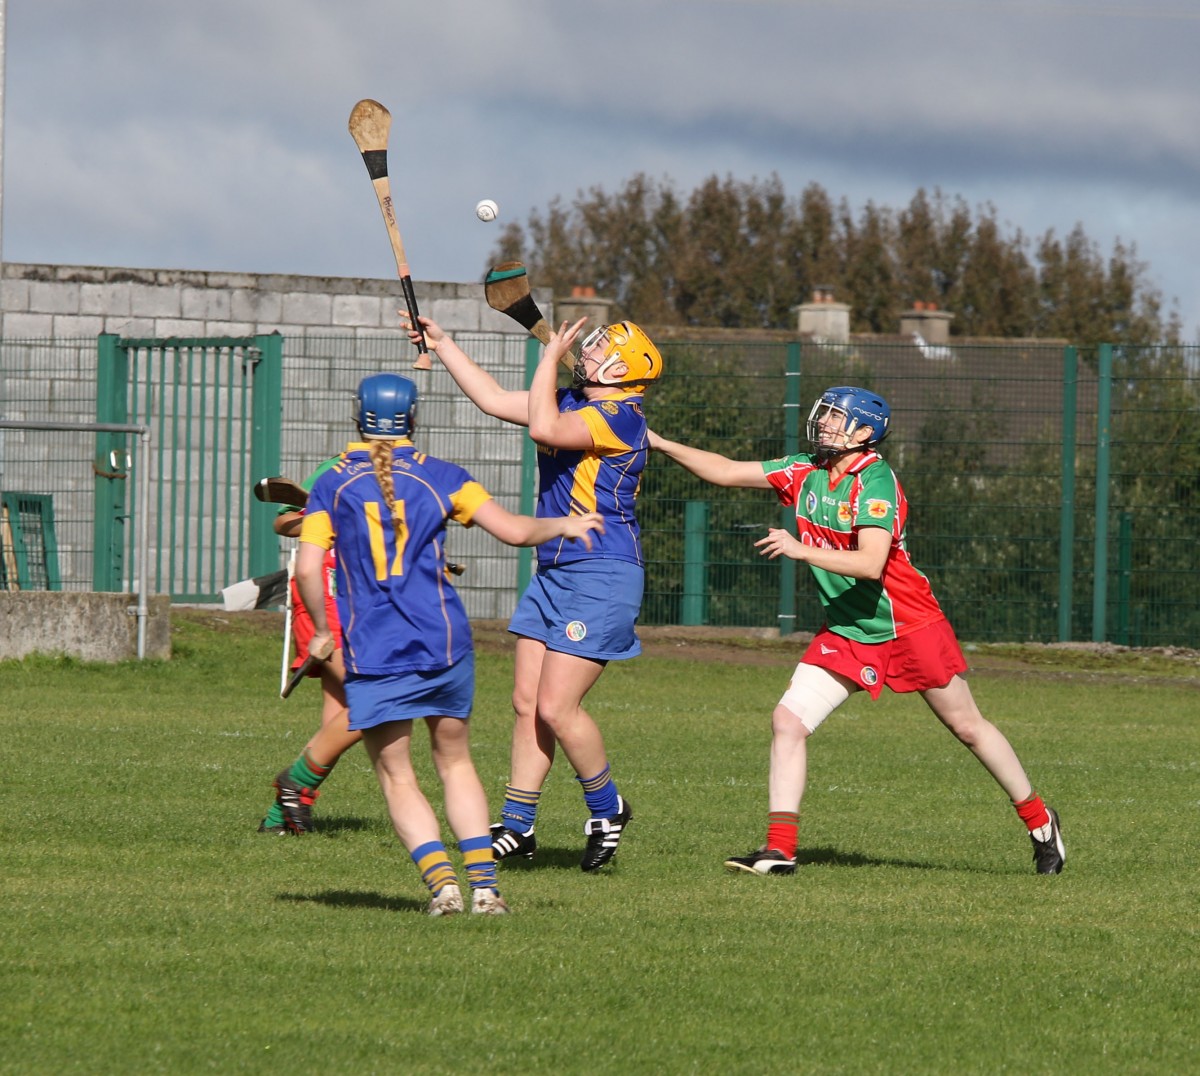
(623,342)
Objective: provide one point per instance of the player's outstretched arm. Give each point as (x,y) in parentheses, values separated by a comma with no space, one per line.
(547,425)
(711,466)
(513,529)
(483,390)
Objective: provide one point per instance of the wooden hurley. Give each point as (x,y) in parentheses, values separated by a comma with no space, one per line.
(506,288)
(279,490)
(314,658)
(370,125)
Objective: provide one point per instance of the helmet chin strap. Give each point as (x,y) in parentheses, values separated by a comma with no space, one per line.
(825,453)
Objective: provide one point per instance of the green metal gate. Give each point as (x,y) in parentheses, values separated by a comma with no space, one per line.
(214,406)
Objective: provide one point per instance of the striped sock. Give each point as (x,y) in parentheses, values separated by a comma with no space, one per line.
(520,808)
(783,831)
(434,865)
(477,858)
(600,793)
(307,773)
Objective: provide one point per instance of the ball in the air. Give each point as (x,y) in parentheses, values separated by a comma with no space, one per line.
(487,210)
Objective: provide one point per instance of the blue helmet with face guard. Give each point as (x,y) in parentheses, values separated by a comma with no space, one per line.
(837,416)
(385,406)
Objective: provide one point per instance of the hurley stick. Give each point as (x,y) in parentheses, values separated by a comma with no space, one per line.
(314,657)
(370,124)
(506,288)
(280,490)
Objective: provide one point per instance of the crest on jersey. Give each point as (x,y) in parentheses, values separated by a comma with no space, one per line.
(609,406)
(810,502)
(576,631)
(843,511)
(878,509)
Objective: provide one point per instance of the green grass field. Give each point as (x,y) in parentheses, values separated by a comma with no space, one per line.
(148,928)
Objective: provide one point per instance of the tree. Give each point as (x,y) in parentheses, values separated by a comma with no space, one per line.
(738,254)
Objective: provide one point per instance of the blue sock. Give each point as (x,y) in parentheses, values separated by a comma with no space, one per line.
(520,808)
(600,793)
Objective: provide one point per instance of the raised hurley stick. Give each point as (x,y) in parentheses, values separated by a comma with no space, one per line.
(279,490)
(506,288)
(370,124)
(314,656)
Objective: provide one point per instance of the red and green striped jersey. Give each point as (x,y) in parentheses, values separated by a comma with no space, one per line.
(829,516)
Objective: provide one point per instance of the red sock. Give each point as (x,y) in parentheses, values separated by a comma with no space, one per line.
(1033,812)
(783,831)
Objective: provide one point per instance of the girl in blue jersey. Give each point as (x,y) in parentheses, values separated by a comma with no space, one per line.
(407,644)
(579,611)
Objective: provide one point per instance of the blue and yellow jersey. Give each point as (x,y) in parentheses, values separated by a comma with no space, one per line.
(399,612)
(604,479)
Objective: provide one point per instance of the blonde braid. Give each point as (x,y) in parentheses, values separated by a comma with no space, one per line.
(381,460)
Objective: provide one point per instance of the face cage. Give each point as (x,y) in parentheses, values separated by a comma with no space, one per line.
(821,411)
(611,349)
(403,424)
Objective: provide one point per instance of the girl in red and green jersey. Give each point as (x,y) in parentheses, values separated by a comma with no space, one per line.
(297,786)
(883,625)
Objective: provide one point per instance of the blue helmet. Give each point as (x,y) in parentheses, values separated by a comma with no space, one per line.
(385,406)
(851,408)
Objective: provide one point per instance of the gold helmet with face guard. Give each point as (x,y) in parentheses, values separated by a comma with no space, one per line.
(621,342)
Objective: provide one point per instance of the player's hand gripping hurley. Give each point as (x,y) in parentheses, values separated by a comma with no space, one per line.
(316,655)
(370,124)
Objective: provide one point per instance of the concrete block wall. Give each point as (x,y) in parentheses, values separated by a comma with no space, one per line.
(40,302)
(336,330)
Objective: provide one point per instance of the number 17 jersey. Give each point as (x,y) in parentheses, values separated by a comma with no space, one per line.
(399,612)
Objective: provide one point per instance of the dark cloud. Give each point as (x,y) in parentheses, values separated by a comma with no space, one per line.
(213,135)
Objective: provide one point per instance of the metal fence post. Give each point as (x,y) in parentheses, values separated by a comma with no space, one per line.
(1066,527)
(265,431)
(791,443)
(110,465)
(695,563)
(1103,447)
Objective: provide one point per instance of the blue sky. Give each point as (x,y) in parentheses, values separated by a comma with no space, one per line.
(213,136)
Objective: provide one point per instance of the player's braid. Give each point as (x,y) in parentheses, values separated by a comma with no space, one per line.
(381,460)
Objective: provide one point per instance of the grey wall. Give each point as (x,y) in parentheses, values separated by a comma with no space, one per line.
(336,330)
(55,301)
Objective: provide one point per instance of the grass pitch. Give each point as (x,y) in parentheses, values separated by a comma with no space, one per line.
(148,928)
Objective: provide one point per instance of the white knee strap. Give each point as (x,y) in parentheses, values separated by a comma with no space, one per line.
(813,695)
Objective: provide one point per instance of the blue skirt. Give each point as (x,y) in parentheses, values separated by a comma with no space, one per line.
(376,700)
(585,607)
